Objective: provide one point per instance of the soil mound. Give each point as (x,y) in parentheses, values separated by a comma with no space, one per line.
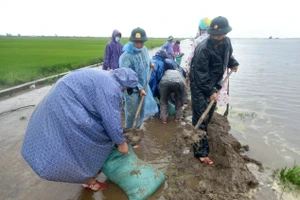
(187,178)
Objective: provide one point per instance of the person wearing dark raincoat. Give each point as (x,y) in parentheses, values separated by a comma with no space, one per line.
(172,84)
(74,128)
(137,58)
(113,51)
(211,58)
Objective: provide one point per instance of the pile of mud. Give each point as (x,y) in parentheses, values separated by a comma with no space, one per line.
(133,136)
(188,178)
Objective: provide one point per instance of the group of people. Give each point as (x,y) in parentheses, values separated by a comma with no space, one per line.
(164,86)
(74,128)
(173,49)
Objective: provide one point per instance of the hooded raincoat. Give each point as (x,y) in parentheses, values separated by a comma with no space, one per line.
(74,128)
(156,75)
(139,61)
(113,51)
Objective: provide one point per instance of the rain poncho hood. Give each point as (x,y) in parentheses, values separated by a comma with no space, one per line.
(113,51)
(139,61)
(114,34)
(74,128)
(131,49)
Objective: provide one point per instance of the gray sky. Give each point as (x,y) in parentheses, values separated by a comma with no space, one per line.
(160,18)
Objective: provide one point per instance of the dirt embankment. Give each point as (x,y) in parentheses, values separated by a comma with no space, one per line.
(229,178)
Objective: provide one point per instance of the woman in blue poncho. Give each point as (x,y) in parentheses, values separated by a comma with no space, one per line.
(136,57)
(74,128)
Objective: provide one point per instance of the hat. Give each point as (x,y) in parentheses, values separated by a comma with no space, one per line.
(219,26)
(170,38)
(138,35)
(204,23)
(178,41)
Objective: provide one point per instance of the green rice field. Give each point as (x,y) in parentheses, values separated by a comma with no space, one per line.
(24,59)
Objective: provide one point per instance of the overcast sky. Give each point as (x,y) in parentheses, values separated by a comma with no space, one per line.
(160,18)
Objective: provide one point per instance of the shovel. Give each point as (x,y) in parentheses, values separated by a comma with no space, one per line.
(142,100)
(227,106)
(210,104)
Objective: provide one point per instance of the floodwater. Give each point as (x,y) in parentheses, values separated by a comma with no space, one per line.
(265,107)
(263,114)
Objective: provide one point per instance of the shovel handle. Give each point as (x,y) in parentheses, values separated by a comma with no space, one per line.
(141,101)
(211,103)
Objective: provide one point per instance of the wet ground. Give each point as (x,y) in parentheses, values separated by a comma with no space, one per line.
(187,178)
(163,148)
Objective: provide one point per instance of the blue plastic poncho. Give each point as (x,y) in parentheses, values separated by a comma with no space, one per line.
(74,128)
(171,64)
(139,61)
(156,75)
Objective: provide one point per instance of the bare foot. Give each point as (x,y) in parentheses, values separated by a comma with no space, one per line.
(206,160)
(94,185)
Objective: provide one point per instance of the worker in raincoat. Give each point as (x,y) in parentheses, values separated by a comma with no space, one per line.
(210,61)
(113,51)
(172,85)
(158,71)
(168,46)
(136,57)
(74,128)
(177,52)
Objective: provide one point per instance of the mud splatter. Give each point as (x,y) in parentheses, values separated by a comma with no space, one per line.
(135,172)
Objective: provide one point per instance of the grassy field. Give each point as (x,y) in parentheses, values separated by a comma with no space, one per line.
(24,59)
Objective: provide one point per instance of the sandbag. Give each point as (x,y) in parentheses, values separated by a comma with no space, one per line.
(138,179)
(178,58)
(171,107)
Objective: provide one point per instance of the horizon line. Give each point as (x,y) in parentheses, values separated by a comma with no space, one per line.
(270,37)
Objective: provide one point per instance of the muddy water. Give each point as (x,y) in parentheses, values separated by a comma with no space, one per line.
(153,150)
(20,182)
